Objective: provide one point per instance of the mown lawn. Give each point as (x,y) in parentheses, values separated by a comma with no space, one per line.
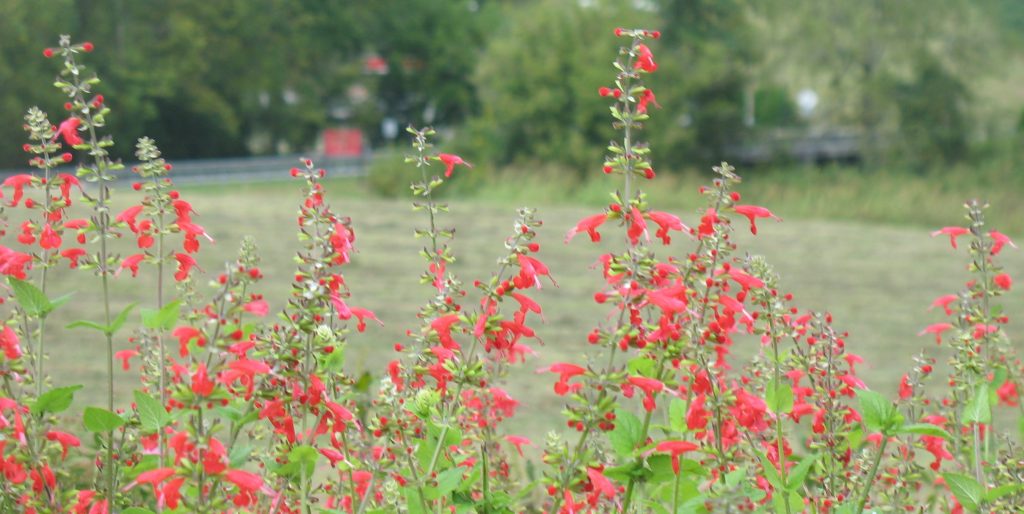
(877,280)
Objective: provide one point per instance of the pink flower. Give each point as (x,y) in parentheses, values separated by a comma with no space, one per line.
(450,161)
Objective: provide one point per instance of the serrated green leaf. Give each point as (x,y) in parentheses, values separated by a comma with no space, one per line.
(966,490)
(879,413)
(778,396)
(626,434)
(30,298)
(978,408)
(54,400)
(100,420)
(152,415)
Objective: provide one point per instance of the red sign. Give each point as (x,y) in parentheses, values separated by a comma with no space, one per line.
(343,142)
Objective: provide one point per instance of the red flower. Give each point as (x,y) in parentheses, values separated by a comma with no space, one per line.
(565,372)
(649,386)
(68,129)
(676,448)
(66,441)
(518,442)
(125,355)
(752,212)
(666,222)
(696,414)
(1003,281)
(13,263)
(18,182)
(185,335)
(450,161)
(707,223)
(48,239)
(906,391)
(443,327)
(645,98)
(644,59)
(9,342)
(1008,393)
(247,483)
(937,329)
(944,301)
(999,240)
(201,383)
(362,314)
(257,307)
(185,265)
(952,232)
(601,485)
(588,224)
(132,263)
(637,226)
(128,216)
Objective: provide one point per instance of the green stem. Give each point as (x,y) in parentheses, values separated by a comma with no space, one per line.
(675,494)
(863,499)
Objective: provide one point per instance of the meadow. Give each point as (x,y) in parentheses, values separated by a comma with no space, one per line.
(877,276)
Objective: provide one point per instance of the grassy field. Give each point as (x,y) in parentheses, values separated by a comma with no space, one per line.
(876,279)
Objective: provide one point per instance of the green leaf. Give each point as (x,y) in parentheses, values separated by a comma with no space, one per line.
(771,473)
(966,490)
(978,408)
(301,459)
(163,319)
(136,510)
(641,366)
(879,413)
(998,492)
(677,415)
(87,324)
(30,298)
(54,400)
(59,301)
(120,319)
(413,502)
(152,415)
(924,429)
(447,481)
(101,420)
(798,474)
(626,434)
(778,396)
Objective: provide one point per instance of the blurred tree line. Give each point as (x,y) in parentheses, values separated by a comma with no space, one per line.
(514,81)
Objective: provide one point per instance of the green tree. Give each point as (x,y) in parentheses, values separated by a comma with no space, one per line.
(535,79)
